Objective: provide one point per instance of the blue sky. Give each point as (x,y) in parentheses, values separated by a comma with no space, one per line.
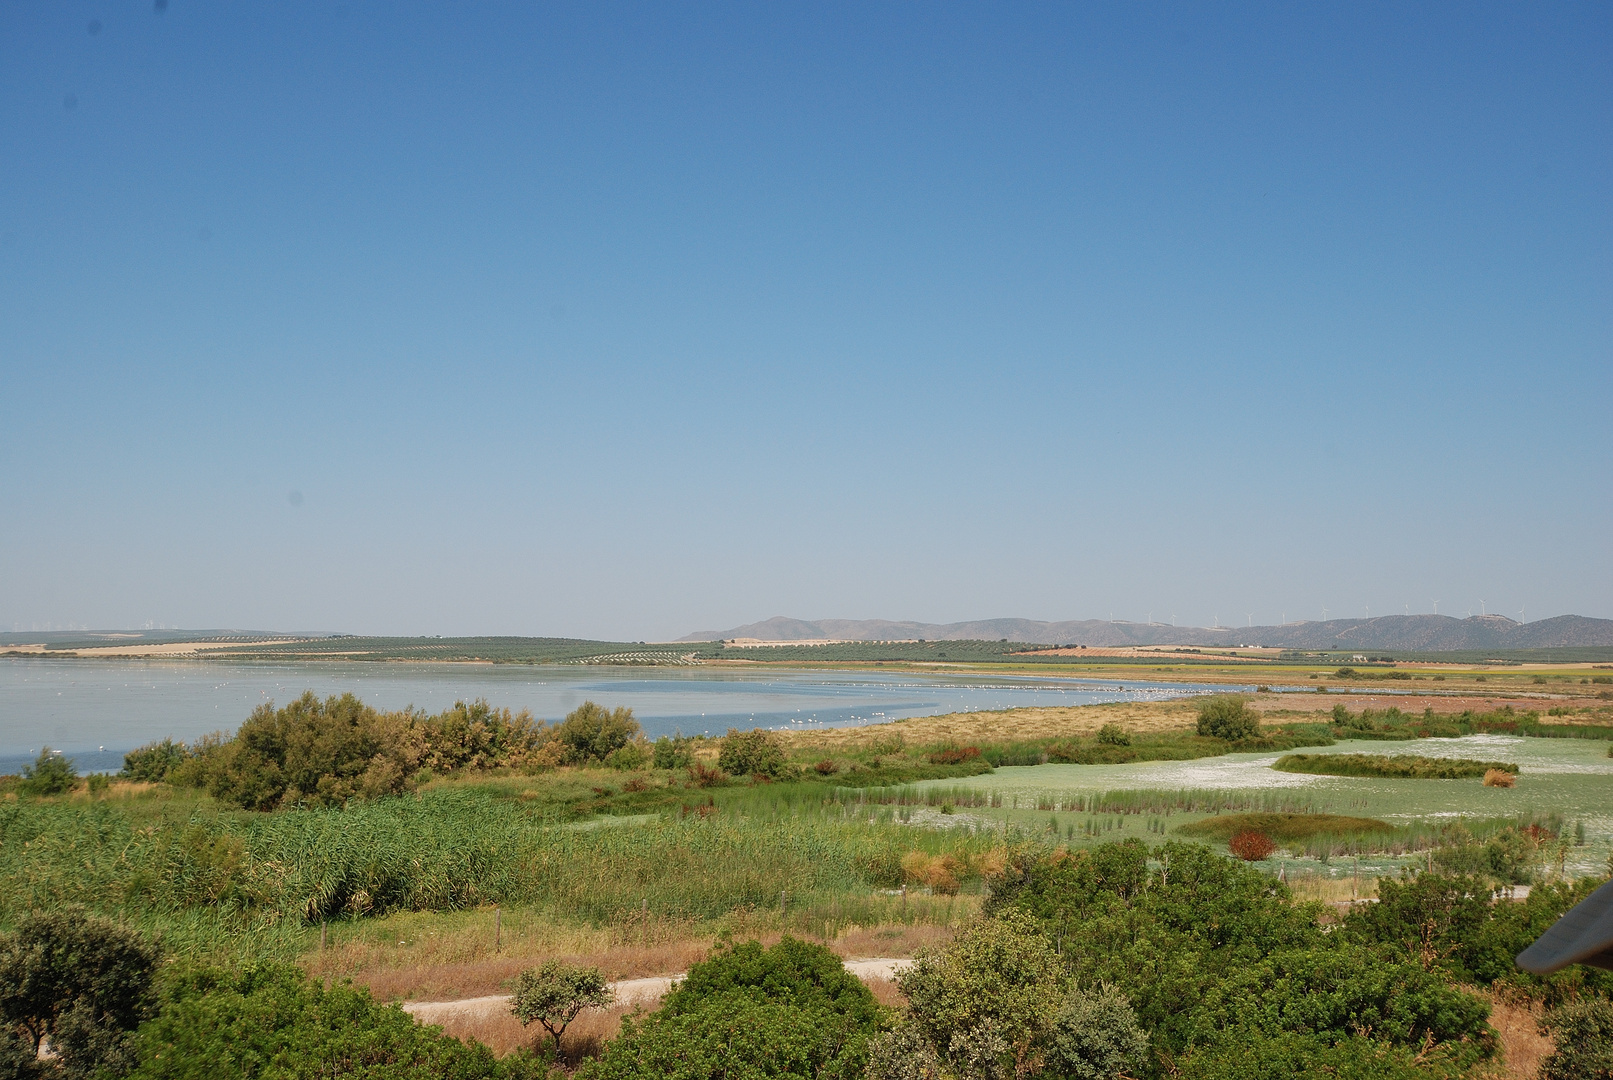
(628,320)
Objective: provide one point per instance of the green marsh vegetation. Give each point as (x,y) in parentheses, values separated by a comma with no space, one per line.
(1407,766)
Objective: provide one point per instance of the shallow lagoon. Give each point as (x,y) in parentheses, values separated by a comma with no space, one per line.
(79,705)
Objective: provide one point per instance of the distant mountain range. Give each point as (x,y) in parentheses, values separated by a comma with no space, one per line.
(1415,633)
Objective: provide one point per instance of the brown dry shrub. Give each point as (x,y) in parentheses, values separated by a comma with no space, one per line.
(703,775)
(827,767)
(1252,846)
(1499,778)
(939,872)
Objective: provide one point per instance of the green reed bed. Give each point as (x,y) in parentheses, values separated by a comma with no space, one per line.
(442,851)
(1325,836)
(1404,766)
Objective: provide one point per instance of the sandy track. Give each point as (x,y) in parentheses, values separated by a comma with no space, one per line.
(629,992)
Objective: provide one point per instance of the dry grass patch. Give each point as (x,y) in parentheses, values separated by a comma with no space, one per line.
(1005,724)
(1522,1045)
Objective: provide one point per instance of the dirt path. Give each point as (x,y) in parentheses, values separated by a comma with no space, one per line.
(629,992)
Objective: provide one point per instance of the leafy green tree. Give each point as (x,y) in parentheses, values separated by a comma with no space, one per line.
(79,981)
(50,774)
(1583,1033)
(750,753)
(747,1013)
(1229,717)
(553,994)
(591,732)
(153,761)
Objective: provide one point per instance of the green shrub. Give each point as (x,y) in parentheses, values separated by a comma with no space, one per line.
(1229,717)
(789,1011)
(673,753)
(1201,944)
(322,753)
(153,761)
(478,736)
(628,758)
(1113,735)
(52,773)
(79,981)
(592,732)
(750,753)
(1583,1033)
(996,1002)
(1258,1055)
(271,1021)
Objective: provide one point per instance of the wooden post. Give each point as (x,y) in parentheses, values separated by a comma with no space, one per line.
(783,909)
(323,930)
(904,901)
(645,909)
(498,928)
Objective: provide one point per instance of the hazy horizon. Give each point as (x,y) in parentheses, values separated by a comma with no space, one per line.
(628,322)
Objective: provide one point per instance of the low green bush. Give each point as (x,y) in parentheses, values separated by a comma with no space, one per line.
(751,753)
(789,1011)
(1228,717)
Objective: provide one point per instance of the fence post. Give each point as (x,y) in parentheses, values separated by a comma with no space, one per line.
(498,928)
(783,909)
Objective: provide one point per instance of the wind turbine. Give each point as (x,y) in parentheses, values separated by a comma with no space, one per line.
(1324,614)
(1408,610)
(1482,609)
(1251,617)
(1368,608)
(1521,611)
(1436,605)
(1173,618)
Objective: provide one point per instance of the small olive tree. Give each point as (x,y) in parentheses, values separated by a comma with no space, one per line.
(554,993)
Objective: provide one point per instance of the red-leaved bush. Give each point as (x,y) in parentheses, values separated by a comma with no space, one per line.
(954,755)
(1251,846)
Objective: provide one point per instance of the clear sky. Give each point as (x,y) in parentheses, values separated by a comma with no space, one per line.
(627,320)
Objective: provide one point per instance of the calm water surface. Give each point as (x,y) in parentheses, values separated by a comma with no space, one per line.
(97,709)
